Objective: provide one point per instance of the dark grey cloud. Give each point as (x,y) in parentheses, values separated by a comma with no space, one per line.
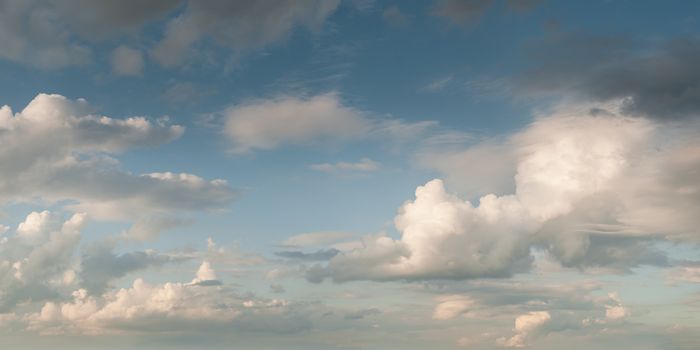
(320,255)
(55,34)
(616,252)
(51,34)
(660,81)
(97,19)
(239,25)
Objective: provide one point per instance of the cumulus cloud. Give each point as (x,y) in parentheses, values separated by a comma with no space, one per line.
(57,149)
(126,61)
(172,306)
(239,25)
(526,327)
(582,181)
(38,259)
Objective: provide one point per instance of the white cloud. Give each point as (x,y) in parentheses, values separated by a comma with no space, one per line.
(576,172)
(38,257)
(168,307)
(484,168)
(363,165)
(265,124)
(310,239)
(205,273)
(526,327)
(127,61)
(451,306)
(288,120)
(56,149)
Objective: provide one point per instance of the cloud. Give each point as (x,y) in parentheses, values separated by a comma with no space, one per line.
(487,167)
(364,165)
(360,314)
(126,61)
(56,149)
(34,262)
(265,124)
(582,181)
(100,265)
(52,34)
(95,20)
(29,34)
(526,327)
(326,254)
(168,307)
(658,81)
(315,238)
(451,306)
(239,25)
(57,34)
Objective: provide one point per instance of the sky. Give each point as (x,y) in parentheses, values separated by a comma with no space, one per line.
(355,174)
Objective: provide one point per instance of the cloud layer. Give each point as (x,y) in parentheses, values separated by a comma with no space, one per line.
(583,193)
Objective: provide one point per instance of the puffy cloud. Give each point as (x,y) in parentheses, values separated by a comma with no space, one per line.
(56,149)
(527,326)
(167,307)
(587,188)
(38,259)
(364,165)
(240,25)
(127,61)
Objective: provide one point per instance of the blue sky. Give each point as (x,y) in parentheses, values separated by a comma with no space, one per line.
(349,174)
